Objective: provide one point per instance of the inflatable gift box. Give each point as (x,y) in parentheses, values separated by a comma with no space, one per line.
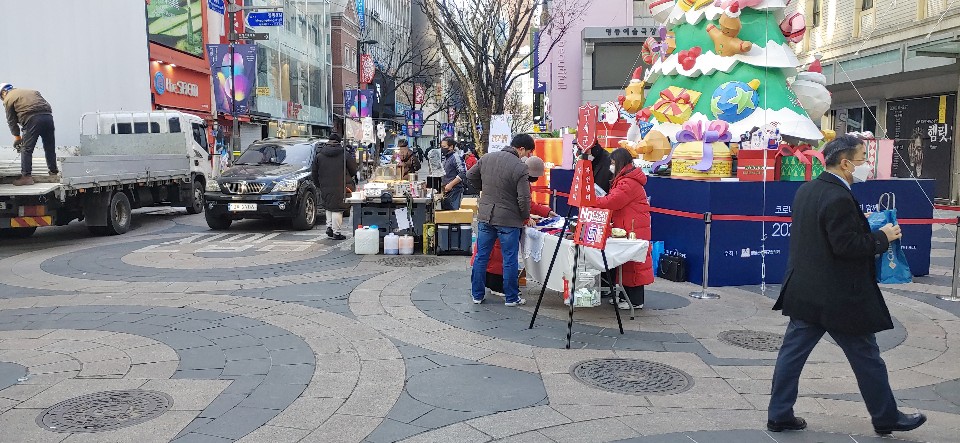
(702,152)
(675,105)
(799,163)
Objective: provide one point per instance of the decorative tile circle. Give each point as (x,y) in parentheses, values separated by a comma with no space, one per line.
(410,262)
(754,340)
(104,411)
(632,376)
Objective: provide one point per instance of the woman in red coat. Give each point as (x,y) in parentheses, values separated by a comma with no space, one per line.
(627,200)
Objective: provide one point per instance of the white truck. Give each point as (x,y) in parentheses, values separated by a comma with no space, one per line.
(125,161)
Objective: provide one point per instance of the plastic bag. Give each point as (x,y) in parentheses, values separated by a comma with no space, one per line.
(892,266)
(656,250)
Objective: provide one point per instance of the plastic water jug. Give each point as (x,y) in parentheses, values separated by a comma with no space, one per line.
(366,241)
(406,245)
(391,244)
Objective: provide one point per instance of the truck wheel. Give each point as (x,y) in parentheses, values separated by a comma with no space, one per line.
(17,232)
(196,198)
(306,211)
(118,214)
(217,223)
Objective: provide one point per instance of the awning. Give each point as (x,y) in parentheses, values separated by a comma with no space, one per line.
(947,48)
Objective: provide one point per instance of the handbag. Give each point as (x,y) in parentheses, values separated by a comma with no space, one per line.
(673,268)
(892,266)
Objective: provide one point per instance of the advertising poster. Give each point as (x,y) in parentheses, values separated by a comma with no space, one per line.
(593,228)
(244,66)
(367,68)
(500,132)
(417,122)
(923,131)
(447,129)
(366,102)
(351,104)
(176,24)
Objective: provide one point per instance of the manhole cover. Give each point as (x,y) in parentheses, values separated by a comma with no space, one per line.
(410,262)
(755,340)
(104,411)
(630,376)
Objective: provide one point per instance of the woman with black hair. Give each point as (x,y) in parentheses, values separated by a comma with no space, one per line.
(630,211)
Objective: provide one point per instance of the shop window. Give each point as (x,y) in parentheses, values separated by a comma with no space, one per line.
(613,64)
(815,13)
(174,123)
(864,18)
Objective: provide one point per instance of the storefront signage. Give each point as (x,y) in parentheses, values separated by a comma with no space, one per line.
(162,84)
(216,6)
(361,16)
(263,91)
(180,87)
(619,32)
(293,109)
(923,131)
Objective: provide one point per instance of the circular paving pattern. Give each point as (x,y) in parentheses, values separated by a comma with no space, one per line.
(410,262)
(632,376)
(754,340)
(104,411)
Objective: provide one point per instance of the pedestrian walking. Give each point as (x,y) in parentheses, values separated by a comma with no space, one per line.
(831,287)
(454,175)
(503,210)
(335,171)
(630,210)
(30,118)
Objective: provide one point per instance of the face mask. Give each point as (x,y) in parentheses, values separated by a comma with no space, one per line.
(533,179)
(860,173)
(590,157)
(613,169)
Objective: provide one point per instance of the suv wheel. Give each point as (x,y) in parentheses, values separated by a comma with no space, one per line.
(217,222)
(306,211)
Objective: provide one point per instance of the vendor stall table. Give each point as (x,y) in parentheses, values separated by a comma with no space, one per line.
(619,251)
(373,211)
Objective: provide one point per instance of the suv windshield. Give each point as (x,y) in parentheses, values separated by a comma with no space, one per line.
(274,154)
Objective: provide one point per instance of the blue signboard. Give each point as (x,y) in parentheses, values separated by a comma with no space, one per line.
(216,6)
(361,16)
(265,19)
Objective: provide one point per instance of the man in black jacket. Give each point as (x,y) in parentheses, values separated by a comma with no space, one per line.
(831,287)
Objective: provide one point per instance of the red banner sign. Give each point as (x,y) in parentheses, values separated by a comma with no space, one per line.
(587,126)
(581,190)
(418,94)
(593,228)
(367,68)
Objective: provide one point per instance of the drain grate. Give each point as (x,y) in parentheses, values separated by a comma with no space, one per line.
(104,411)
(754,340)
(410,262)
(631,376)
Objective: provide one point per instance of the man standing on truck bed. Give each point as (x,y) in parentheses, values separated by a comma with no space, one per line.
(27,109)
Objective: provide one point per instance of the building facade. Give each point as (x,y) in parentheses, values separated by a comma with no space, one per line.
(345,34)
(892,69)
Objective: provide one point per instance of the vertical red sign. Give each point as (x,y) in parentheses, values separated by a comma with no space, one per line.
(418,94)
(587,126)
(581,190)
(367,68)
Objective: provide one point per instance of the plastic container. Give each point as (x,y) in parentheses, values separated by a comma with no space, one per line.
(366,241)
(406,245)
(391,244)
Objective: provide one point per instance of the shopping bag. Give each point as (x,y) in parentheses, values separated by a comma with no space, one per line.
(892,266)
(656,250)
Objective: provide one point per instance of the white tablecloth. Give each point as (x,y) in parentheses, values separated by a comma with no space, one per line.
(618,251)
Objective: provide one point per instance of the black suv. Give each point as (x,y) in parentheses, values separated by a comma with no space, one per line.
(273,178)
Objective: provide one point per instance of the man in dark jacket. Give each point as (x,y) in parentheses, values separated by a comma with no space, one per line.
(600,161)
(503,210)
(335,172)
(831,287)
(28,110)
(454,175)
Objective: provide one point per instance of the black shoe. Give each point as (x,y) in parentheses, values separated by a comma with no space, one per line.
(339,237)
(330,232)
(796,424)
(906,423)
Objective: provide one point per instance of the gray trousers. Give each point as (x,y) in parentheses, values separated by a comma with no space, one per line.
(38,127)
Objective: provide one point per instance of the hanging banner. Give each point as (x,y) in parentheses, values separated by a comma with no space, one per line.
(367,126)
(447,129)
(366,102)
(581,188)
(244,66)
(593,228)
(923,131)
(418,94)
(354,130)
(367,68)
(539,87)
(500,132)
(417,122)
(451,115)
(587,126)
(408,122)
(351,103)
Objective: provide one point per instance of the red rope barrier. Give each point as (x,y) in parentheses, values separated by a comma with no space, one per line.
(947,207)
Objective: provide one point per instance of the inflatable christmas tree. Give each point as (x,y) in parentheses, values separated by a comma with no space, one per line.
(728,60)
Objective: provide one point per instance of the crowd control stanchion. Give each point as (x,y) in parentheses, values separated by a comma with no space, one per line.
(956,263)
(704,293)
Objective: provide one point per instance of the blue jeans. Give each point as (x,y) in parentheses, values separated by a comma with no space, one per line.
(487,235)
(862,353)
(452,199)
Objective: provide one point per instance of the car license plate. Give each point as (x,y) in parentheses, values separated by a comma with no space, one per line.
(242,206)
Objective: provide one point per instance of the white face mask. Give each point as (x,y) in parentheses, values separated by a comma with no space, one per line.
(613,169)
(590,157)
(860,173)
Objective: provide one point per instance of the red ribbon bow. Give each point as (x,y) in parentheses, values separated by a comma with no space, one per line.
(804,152)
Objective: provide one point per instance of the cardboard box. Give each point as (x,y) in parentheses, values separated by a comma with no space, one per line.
(750,165)
(469,203)
(459,216)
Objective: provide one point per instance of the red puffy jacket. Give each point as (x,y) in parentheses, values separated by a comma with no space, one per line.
(631,212)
